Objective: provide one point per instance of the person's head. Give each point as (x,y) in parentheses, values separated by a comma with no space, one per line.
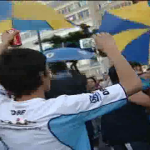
(24,72)
(91,83)
(57,67)
(105,76)
(137,67)
(113,75)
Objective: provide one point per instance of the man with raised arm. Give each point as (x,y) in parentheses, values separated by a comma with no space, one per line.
(30,122)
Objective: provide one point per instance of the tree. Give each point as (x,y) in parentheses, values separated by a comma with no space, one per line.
(72,37)
(85,29)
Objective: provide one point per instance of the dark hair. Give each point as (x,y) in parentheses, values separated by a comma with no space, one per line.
(73,45)
(57,67)
(135,64)
(20,70)
(92,78)
(113,75)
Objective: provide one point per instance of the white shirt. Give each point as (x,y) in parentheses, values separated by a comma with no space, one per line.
(54,124)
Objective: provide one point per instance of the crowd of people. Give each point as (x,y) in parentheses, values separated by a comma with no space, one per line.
(48,106)
(130,122)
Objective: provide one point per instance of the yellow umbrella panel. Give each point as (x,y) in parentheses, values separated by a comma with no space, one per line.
(30,15)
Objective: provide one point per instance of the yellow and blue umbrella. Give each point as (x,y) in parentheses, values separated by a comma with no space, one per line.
(30,15)
(130,26)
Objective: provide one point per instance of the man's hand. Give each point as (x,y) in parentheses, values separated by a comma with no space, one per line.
(104,42)
(7,37)
(6,40)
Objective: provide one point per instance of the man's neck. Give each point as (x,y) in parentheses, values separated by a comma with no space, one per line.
(36,94)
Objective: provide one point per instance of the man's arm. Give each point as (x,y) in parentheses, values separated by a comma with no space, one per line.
(3,46)
(73,111)
(128,79)
(6,40)
(99,102)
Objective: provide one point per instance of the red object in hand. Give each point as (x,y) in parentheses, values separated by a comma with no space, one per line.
(17,39)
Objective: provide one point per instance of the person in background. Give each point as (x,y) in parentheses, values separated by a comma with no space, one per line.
(137,67)
(59,70)
(94,128)
(91,84)
(72,83)
(106,81)
(128,127)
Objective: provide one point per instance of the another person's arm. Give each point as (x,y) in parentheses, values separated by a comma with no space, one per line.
(6,40)
(140,99)
(127,77)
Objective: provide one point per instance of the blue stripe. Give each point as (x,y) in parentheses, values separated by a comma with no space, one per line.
(70,129)
(113,24)
(31,25)
(5,10)
(138,50)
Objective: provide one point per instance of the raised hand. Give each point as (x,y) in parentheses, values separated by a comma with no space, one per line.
(8,37)
(104,42)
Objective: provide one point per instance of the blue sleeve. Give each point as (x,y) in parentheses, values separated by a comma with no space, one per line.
(70,129)
(145,84)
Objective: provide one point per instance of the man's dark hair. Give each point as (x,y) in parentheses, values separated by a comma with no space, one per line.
(113,75)
(57,67)
(20,70)
(92,78)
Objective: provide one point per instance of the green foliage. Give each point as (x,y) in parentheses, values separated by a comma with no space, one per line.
(71,37)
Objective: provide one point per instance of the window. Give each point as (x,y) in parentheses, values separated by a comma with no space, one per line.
(71,8)
(82,3)
(83,14)
(80,14)
(127,3)
(71,18)
(62,11)
(76,5)
(123,4)
(99,7)
(65,10)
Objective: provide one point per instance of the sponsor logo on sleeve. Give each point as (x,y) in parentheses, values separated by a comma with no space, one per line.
(95,97)
(105,91)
